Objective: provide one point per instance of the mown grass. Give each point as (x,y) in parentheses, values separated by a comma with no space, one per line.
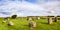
(22,24)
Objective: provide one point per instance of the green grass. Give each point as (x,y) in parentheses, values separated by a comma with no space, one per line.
(22,24)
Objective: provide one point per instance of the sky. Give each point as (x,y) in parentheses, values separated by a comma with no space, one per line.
(29,7)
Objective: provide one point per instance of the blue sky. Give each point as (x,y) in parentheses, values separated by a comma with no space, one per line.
(29,7)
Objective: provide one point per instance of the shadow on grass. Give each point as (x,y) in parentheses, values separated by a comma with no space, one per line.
(12,28)
(43,22)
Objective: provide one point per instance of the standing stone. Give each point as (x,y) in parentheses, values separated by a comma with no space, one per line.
(55,19)
(32,24)
(10,23)
(49,20)
(38,18)
(30,18)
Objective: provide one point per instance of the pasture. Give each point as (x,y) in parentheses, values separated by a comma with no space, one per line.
(22,24)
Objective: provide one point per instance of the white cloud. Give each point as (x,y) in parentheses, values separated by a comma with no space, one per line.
(22,8)
(30,6)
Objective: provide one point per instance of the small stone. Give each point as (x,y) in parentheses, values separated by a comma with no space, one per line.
(38,18)
(30,18)
(4,21)
(10,23)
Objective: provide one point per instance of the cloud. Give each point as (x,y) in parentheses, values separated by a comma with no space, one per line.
(24,8)
(30,6)
(10,8)
(42,9)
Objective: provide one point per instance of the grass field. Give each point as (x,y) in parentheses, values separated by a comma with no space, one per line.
(22,24)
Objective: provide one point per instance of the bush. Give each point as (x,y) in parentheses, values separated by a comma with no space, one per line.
(14,16)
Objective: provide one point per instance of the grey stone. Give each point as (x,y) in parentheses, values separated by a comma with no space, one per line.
(32,24)
(10,23)
(49,20)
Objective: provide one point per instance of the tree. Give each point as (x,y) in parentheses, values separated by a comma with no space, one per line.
(14,16)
